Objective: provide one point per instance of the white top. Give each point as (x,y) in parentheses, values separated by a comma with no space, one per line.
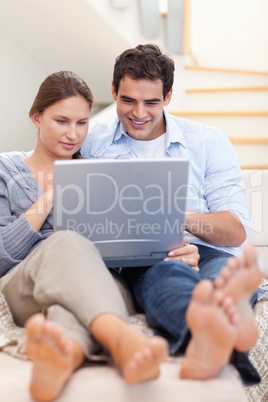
(149,149)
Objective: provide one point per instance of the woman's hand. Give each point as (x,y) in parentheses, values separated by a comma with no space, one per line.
(188,253)
(38,212)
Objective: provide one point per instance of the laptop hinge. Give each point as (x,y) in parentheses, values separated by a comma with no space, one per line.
(141,261)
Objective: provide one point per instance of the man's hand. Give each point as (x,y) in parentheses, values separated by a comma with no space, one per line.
(188,253)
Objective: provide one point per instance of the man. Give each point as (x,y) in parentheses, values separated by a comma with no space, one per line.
(216,219)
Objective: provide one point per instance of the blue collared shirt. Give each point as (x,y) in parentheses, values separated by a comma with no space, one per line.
(214,170)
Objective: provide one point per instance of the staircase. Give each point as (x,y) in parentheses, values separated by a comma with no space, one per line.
(235,101)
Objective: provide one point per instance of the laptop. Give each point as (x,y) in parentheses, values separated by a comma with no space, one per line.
(133,210)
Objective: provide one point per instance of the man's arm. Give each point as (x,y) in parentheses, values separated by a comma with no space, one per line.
(222,229)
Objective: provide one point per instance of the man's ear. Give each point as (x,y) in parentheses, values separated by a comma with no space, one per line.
(36,119)
(114,95)
(168,97)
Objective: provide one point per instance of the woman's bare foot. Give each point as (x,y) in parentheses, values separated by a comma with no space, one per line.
(140,358)
(213,330)
(54,358)
(239,279)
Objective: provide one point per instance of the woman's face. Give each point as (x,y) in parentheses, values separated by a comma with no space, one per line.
(63,127)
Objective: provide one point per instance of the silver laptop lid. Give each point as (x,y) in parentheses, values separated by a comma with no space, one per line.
(132,209)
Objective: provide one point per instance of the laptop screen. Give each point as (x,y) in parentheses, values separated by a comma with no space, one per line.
(131,209)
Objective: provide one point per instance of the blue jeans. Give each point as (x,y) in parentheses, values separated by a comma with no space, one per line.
(164,291)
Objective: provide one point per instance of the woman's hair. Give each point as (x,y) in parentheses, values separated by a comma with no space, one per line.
(144,62)
(58,86)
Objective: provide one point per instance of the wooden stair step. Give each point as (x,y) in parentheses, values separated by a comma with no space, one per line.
(225,70)
(254,167)
(251,140)
(220,113)
(227,89)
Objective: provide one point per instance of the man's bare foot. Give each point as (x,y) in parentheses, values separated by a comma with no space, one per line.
(239,279)
(54,358)
(139,357)
(213,330)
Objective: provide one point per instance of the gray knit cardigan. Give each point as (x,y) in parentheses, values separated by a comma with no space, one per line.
(18,191)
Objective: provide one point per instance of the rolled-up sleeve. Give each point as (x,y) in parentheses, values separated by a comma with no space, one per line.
(223,188)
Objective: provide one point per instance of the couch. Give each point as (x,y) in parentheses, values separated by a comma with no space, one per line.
(103,383)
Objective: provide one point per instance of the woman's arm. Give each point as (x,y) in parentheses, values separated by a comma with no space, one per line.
(38,212)
(20,230)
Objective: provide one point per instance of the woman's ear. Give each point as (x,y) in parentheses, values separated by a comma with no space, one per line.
(36,119)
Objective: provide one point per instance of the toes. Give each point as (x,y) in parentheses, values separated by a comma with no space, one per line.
(41,331)
(36,319)
(35,326)
(221,280)
(143,365)
(230,309)
(159,347)
(228,306)
(233,264)
(218,296)
(227,271)
(202,293)
(250,255)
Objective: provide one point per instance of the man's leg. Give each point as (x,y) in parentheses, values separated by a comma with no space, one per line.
(221,319)
(163,292)
(211,261)
(213,328)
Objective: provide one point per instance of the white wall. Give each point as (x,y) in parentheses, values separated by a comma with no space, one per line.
(224,33)
(126,22)
(230,33)
(38,37)
(20,76)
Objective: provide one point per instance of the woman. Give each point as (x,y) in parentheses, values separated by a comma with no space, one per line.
(61,274)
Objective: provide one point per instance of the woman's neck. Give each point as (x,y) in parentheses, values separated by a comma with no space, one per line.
(41,164)
(42,159)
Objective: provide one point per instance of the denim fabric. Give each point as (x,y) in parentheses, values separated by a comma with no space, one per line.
(164,291)
(211,261)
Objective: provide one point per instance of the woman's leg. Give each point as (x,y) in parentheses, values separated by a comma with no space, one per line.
(68,270)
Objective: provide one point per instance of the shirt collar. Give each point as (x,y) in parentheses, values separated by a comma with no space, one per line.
(120,131)
(174,134)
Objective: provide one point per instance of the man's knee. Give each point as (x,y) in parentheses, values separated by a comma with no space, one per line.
(175,269)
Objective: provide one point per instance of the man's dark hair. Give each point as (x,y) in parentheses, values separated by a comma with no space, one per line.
(144,62)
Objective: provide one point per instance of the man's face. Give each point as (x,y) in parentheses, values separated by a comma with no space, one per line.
(140,106)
